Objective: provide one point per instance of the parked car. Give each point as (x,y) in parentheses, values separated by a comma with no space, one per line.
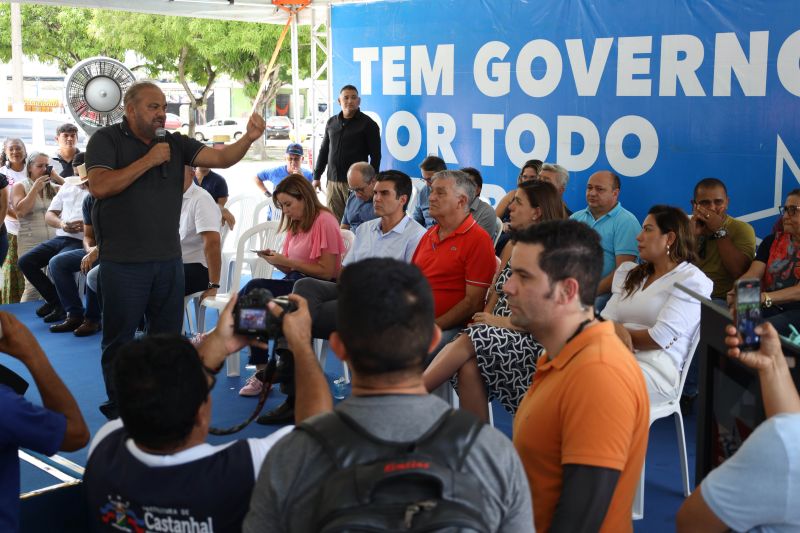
(37,130)
(278,127)
(231,127)
(174,122)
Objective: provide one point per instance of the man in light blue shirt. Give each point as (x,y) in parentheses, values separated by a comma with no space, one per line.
(757,488)
(359,207)
(429,166)
(617,227)
(294,165)
(393,234)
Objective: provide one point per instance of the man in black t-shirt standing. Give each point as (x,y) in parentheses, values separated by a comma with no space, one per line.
(138,186)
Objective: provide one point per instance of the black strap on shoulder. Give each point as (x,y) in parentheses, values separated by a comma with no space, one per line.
(449,439)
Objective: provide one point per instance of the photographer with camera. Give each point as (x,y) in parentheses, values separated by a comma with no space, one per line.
(173,478)
(417,461)
(58,425)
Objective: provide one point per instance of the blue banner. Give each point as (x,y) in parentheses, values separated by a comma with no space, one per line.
(663,93)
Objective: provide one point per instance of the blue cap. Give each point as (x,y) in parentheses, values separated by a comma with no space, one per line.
(294,149)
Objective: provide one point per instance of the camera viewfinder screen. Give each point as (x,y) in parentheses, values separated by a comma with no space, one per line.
(253,319)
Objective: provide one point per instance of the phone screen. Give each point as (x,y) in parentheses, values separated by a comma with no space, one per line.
(748,312)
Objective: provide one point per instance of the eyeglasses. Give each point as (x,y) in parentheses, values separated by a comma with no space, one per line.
(357,189)
(791,210)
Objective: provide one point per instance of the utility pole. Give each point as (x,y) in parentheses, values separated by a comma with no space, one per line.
(17,98)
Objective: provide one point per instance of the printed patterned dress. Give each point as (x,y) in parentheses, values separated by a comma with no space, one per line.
(506,357)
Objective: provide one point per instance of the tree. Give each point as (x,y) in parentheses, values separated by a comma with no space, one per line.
(59,35)
(199,50)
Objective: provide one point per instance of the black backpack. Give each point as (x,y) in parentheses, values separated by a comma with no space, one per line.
(388,486)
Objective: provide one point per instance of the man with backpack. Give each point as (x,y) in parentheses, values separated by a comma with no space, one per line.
(391,456)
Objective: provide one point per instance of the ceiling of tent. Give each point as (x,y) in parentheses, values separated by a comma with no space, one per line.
(241,10)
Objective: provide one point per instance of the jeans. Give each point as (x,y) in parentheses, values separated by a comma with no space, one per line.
(63,268)
(129,291)
(33,262)
(92,279)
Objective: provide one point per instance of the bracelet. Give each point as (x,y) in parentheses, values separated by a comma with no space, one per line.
(213,285)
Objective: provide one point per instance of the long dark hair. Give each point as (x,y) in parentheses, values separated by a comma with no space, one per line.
(668,219)
(543,194)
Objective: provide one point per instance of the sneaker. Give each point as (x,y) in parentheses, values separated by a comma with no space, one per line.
(252,387)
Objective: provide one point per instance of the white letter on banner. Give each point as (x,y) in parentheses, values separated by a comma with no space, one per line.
(441,71)
(393,72)
(674,69)
(788,63)
(648,139)
(567,125)
(541,139)
(588,79)
(499,84)
(366,56)
(488,124)
(751,72)
(628,65)
(403,119)
(441,130)
(552,71)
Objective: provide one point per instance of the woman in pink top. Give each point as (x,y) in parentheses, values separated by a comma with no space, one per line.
(313,247)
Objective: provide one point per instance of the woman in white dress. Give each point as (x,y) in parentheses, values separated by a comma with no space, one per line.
(657,320)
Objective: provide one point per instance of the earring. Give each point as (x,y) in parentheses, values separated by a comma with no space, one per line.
(668,249)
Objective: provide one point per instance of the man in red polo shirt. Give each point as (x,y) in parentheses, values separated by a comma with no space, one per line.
(456,254)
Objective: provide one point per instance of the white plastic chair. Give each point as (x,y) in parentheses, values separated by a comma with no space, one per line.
(663,410)
(493,192)
(194,298)
(349,238)
(498,231)
(417,184)
(261,236)
(242,207)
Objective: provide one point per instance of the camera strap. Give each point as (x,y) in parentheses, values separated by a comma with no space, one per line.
(269,373)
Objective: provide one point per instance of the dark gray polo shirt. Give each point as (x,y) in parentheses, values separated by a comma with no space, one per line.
(140,223)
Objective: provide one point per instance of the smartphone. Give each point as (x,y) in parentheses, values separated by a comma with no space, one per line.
(48,170)
(748,312)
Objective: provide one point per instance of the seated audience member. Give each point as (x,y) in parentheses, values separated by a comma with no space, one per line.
(429,166)
(530,171)
(652,316)
(359,207)
(4,195)
(63,162)
(456,255)
(13,166)
(777,265)
(217,187)
(274,175)
(617,227)
(65,265)
(385,330)
(58,425)
(725,250)
(393,234)
(558,177)
(481,211)
(66,214)
(581,430)
(31,200)
(159,441)
(200,244)
(493,356)
(313,247)
(756,489)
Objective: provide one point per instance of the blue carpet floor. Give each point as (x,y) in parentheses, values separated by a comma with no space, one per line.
(77,361)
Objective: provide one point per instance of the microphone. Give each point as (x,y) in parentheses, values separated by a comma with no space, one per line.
(161,137)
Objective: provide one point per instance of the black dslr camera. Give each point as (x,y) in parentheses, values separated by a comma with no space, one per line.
(252,318)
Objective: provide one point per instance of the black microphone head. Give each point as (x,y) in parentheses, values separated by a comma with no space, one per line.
(161,134)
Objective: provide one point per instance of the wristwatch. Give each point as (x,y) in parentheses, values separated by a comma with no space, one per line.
(721,233)
(213,285)
(767,301)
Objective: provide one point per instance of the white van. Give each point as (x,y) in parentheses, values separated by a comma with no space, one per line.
(37,130)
